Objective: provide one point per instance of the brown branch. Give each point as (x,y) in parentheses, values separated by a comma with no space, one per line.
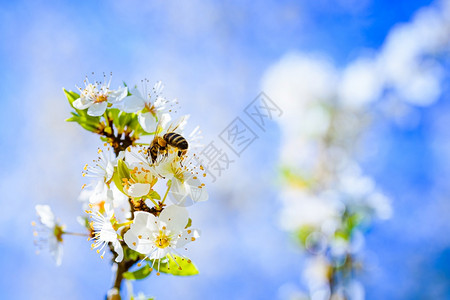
(119,142)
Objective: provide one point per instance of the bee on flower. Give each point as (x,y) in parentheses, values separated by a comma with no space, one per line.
(168,139)
(126,212)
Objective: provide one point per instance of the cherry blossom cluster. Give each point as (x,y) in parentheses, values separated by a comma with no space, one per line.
(145,160)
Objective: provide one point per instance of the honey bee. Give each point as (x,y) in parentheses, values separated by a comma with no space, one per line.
(161,145)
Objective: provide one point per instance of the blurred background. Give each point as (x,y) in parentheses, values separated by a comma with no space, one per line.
(361,84)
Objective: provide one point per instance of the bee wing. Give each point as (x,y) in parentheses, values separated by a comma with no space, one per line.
(162,123)
(178,126)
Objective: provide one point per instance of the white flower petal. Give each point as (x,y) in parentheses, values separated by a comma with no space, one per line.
(118,249)
(56,251)
(197,192)
(145,219)
(97,109)
(188,235)
(159,253)
(175,217)
(137,93)
(132,104)
(148,122)
(109,171)
(100,193)
(138,189)
(131,239)
(179,192)
(120,204)
(139,238)
(81,103)
(46,215)
(117,95)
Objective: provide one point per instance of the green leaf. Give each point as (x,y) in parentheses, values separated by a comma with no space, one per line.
(113,113)
(80,116)
(171,267)
(120,172)
(141,273)
(71,96)
(125,119)
(118,180)
(154,195)
(122,169)
(130,254)
(87,126)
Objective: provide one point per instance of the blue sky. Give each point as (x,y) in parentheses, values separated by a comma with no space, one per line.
(212,56)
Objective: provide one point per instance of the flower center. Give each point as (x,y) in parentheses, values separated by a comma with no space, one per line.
(101,98)
(58,232)
(162,240)
(150,108)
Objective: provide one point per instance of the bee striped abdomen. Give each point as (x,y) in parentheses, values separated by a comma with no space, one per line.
(176,140)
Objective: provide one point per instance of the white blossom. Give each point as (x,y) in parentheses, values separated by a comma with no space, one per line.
(184,180)
(96,97)
(102,171)
(104,233)
(158,237)
(48,232)
(150,103)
